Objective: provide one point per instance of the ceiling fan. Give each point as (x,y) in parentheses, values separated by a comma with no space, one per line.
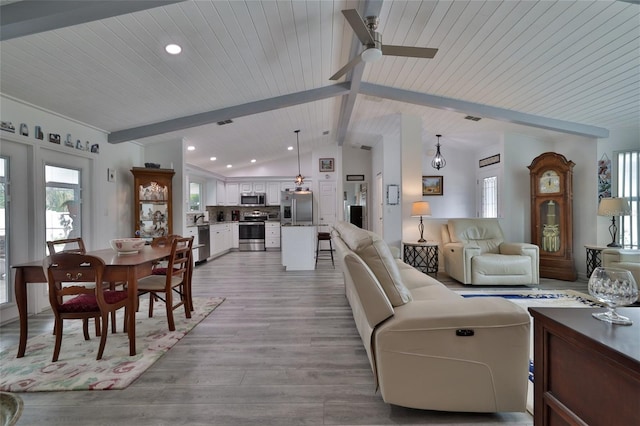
(365,29)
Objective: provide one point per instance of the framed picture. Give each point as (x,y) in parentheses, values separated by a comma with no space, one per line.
(355,177)
(326,164)
(432,185)
(393,194)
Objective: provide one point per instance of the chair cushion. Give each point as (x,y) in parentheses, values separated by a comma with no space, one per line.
(89,303)
(379,259)
(501,264)
(486,233)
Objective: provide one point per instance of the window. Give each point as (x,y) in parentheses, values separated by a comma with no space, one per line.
(195,196)
(4,209)
(628,181)
(63,203)
(489,197)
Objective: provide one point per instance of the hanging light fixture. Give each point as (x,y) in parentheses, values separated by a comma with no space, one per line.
(438,161)
(299,179)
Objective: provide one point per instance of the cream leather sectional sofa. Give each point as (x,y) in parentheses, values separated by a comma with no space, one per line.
(430,348)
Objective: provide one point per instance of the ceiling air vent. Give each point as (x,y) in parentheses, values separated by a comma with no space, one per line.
(223,122)
(472,118)
(365,147)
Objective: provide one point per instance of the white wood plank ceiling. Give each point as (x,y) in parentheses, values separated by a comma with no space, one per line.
(266,65)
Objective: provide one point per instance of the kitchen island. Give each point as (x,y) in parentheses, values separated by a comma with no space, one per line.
(298,244)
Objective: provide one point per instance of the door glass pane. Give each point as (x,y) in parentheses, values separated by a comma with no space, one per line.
(4,276)
(490,197)
(63,212)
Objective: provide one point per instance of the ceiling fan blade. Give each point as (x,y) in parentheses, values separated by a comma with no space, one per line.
(351,64)
(358,25)
(414,52)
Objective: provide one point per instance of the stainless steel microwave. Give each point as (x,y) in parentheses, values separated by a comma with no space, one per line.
(253,199)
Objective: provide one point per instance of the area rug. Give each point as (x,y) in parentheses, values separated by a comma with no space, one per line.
(77,367)
(538,298)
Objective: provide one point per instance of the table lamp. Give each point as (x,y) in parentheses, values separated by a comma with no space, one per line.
(419,209)
(614,207)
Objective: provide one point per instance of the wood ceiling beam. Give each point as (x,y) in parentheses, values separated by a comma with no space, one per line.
(484,111)
(24,18)
(229,113)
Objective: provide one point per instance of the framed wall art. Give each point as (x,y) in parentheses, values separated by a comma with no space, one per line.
(432,185)
(326,164)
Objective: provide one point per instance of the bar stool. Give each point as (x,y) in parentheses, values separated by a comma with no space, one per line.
(324,236)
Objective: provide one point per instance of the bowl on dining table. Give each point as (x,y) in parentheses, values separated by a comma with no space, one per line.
(127,245)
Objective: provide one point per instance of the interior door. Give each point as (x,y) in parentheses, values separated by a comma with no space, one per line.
(327,210)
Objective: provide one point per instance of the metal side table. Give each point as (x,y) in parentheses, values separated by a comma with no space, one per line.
(422,256)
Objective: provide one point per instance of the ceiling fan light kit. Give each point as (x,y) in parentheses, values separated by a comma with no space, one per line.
(365,30)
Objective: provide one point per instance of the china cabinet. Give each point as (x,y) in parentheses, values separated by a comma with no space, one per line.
(152,205)
(551,178)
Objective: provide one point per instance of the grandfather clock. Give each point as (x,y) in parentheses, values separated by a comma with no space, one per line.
(551,178)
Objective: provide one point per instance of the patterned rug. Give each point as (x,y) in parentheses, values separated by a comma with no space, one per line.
(77,367)
(538,298)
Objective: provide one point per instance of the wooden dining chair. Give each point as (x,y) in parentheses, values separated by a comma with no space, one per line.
(176,279)
(160,268)
(76,292)
(76,245)
(67,245)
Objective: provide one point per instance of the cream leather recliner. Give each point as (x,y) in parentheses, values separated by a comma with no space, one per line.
(475,252)
(624,259)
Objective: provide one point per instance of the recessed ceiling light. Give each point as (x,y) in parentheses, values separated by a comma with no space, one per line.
(253,160)
(213,158)
(191,148)
(173,49)
(229,166)
(290,148)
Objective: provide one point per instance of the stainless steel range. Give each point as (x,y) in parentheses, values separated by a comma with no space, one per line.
(251,231)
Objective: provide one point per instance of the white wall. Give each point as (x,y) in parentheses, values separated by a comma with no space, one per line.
(107,210)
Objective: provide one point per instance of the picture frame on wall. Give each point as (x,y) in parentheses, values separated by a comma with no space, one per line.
(355,177)
(326,165)
(432,185)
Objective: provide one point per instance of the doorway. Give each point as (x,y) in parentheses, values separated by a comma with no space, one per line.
(355,203)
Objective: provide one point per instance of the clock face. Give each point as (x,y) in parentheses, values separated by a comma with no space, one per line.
(549,182)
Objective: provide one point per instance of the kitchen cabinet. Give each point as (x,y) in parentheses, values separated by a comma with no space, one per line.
(235,235)
(192,231)
(299,247)
(220,238)
(252,187)
(232,194)
(287,186)
(273,193)
(152,205)
(272,235)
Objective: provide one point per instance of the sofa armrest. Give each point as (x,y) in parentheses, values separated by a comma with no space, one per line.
(457,260)
(621,255)
(522,249)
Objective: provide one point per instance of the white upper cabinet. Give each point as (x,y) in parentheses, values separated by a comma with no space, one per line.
(232,194)
(273,193)
(252,187)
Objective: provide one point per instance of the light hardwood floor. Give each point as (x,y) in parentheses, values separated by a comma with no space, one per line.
(281,350)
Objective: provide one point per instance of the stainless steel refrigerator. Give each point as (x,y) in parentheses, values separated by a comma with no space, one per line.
(296,208)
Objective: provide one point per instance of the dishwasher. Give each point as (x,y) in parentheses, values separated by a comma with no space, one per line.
(203,241)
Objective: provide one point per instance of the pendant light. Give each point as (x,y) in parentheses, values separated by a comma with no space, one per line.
(299,179)
(438,161)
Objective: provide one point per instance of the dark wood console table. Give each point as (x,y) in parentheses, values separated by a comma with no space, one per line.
(586,371)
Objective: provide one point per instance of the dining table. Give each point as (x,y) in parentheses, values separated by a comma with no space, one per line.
(118,268)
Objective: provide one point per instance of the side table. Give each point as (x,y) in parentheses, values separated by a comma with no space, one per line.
(422,256)
(594,257)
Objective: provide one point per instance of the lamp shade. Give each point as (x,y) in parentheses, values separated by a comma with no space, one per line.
(614,207)
(420,208)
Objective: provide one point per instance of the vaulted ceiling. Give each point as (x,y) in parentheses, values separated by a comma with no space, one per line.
(529,67)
